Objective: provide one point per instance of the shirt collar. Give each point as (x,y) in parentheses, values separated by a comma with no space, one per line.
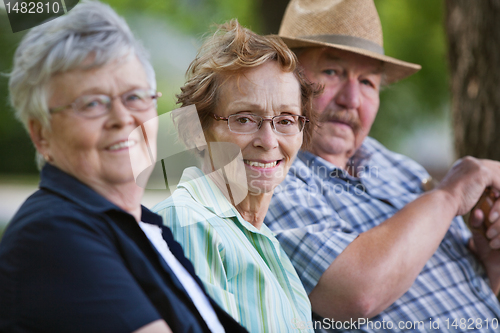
(321,167)
(324,169)
(57,181)
(205,192)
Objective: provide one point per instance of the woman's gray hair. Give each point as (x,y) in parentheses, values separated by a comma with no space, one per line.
(91,30)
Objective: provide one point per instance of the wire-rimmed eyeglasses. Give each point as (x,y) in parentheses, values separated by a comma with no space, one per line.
(285,124)
(93,106)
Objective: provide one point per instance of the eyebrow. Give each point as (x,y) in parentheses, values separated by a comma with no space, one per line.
(257,107)
(379,69)
(100,91)
(330,57)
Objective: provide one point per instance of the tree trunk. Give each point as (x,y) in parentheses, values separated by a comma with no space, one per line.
(473,30)
(271,13)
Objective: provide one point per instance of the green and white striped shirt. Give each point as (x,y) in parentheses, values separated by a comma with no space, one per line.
(244,269)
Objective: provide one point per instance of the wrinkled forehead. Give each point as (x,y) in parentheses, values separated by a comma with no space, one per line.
(259,77)
(112,78)
(320,56)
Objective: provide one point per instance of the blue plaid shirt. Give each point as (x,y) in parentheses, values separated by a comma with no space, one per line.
(320,209)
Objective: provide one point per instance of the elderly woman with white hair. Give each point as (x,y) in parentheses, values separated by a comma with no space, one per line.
(82,254)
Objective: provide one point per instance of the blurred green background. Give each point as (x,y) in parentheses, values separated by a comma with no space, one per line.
(413,118)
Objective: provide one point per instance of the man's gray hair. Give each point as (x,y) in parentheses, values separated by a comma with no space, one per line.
(91,31)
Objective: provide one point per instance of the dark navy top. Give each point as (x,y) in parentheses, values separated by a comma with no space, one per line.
(71,261)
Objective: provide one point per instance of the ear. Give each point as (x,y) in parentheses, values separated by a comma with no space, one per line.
(40,137)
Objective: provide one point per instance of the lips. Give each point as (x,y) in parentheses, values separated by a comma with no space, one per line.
(262,165)
(339,122)
(122,144)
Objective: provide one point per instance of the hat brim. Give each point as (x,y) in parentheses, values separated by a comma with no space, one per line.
(394,69)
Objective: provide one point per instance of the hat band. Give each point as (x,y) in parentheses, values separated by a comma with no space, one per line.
(347,41)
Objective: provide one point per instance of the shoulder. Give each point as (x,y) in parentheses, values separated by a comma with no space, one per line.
(55,252)
(302,186)
(182,210)
(179,200)
(48,226)
(179,197)
(300,170)
(46,212)
(397,166)
(300,178)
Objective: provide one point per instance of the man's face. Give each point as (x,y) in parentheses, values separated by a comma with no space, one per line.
(349,102)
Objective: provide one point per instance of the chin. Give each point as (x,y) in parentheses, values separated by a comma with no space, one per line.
(257,187)
(334,145)
(121,175)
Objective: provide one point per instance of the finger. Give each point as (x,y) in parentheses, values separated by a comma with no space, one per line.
(493,231)
(494,168)
(495,243)
(476,218)
(472,245)
(493,234)
(495,212)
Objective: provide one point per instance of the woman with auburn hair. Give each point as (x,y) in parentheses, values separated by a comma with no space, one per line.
(254,107)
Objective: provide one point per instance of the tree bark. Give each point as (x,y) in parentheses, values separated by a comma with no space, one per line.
(473,32)
(271,12)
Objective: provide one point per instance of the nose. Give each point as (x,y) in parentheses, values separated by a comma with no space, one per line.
(119,115)
(265,137)
(349,96)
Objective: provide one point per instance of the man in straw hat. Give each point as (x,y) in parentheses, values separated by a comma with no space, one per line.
(366,240)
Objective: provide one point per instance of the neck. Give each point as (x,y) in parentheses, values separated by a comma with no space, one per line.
(254,208)
(127,196)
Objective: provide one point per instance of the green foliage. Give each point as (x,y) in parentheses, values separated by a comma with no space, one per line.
(16,151)
(192,16)
(414,32)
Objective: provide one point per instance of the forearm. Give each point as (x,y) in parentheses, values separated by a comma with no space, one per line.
(382,263)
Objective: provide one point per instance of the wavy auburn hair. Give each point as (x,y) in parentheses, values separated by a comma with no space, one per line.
(232,50)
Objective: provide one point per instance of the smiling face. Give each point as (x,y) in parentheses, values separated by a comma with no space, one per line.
(266,91)
(96,151)
(349,102)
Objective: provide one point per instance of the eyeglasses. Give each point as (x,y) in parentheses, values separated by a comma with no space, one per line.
(288,124)
(93,106)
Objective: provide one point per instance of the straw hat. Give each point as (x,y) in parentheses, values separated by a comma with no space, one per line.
(350,25)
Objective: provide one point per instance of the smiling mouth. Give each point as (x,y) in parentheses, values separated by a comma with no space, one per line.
(122,144)
(262,165)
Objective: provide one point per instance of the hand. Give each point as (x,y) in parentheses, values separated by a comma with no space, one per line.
(486,247)
(478,219)
(467,180)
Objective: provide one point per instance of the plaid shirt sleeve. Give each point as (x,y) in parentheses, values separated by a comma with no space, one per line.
(314,223)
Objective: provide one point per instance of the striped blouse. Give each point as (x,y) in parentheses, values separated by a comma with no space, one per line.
(244,269)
